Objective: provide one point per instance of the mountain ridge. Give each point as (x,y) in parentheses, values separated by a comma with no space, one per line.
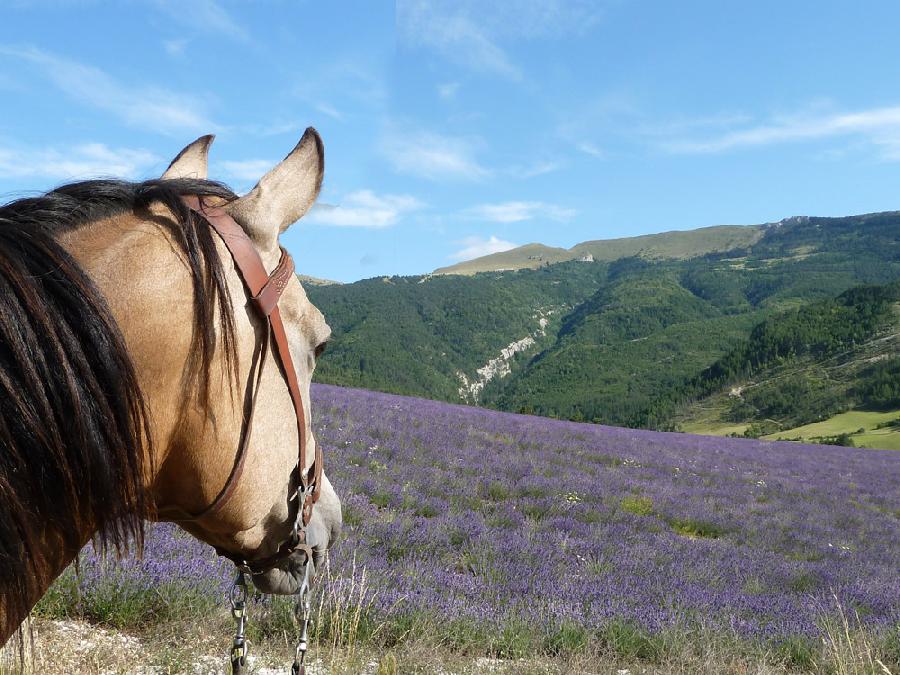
(669,244)
(595,341)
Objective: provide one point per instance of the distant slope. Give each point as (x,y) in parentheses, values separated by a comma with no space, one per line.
(529,256)
(828,360)
(305,279)
(675,245)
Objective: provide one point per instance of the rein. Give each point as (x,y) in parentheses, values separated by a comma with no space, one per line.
(264,291)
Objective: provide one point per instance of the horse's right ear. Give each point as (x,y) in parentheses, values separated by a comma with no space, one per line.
(284,194)
(192,161)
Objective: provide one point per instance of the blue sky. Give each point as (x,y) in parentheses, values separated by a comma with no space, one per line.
(454,129)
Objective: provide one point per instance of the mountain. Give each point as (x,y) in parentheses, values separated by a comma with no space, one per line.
(676,245)
(307,280)
(620,341)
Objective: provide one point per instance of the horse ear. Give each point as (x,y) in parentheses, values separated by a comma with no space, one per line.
(284,194)
(191,162)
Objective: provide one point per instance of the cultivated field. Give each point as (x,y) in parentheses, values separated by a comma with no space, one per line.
(477,540)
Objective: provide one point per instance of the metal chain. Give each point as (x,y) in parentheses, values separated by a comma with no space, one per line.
(239,594)
(302,610)
(238,597)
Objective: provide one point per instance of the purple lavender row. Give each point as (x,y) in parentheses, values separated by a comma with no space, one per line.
(464,513)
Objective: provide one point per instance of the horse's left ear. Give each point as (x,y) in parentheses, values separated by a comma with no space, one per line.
(284,194)
(192,161)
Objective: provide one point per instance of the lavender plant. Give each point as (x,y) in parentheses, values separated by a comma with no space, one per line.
(501,529)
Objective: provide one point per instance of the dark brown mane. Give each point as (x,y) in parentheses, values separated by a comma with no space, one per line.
(73,422)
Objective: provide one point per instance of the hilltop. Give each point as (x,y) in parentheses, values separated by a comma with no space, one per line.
(675,245)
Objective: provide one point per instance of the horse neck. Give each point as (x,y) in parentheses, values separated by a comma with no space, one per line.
(136,265)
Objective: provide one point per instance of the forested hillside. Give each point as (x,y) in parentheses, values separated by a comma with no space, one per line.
(415,335)
(804,366)
(627,341)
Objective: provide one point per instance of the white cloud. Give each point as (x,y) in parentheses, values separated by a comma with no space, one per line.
(469,32)
(454,35)
(146,107)
(591,149)
(514,212)
(448,90)
(475,247)
(364,208)
(86,160)
(330,110)
(609,117)
(204,15)
(345,85)
(879,126)
(175,47)
(432,155)
(536,169)
(247,169)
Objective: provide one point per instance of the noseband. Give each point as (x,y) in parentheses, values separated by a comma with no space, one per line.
(264,291)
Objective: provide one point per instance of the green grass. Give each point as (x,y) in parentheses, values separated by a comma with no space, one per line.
(639,506)
(696,529)
(345,638)
(713,428)
(887,438)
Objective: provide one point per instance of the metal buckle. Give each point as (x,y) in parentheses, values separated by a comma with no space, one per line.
(302,495)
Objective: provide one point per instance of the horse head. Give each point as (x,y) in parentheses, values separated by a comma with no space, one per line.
(253,516)
(141,378)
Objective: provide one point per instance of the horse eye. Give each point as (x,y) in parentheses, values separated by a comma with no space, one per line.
(320,348)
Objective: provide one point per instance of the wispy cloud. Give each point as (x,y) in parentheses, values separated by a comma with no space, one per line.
(330,110)
(590,149)
(471,32)
(143,106)
(475,247)
(590,127)
(246,169)
(364,208)
(879,126)
(454,35)
(448,90)
(175,47)
(204,15)
(86,160)
(514,212)
(432,156)
(345,85)
(536,169)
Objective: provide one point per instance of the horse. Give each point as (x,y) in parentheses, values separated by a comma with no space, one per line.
(137,381)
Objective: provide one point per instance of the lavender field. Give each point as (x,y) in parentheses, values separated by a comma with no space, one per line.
(514,533)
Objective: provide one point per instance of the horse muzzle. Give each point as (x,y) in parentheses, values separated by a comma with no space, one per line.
(286,576)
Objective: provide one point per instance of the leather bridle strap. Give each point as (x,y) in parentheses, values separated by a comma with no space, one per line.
(265,291)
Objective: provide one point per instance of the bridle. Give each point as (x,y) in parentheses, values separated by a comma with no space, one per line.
(264,291)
